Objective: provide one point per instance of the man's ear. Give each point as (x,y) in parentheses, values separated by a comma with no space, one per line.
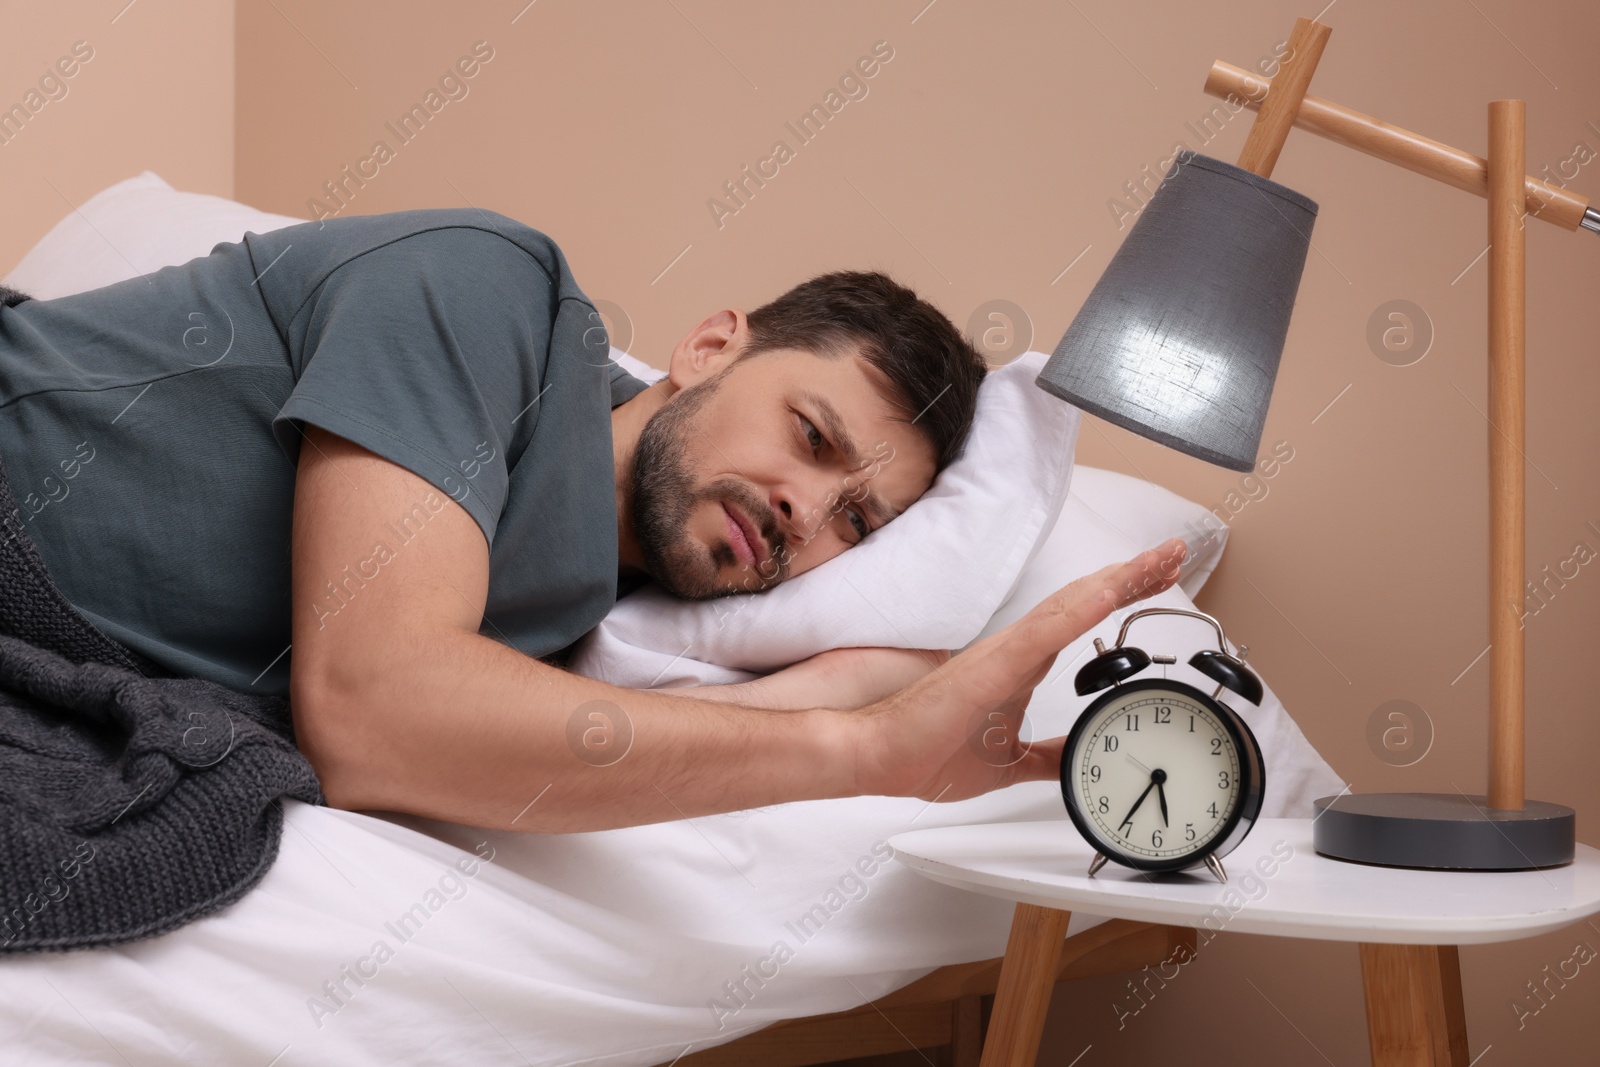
(708,348)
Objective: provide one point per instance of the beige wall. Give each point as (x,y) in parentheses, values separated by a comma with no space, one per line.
(981,162)
(156,93)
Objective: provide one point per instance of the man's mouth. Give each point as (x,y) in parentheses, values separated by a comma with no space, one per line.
(746,540)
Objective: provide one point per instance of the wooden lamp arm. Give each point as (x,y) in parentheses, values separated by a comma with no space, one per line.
(1414,152)
(1276,116)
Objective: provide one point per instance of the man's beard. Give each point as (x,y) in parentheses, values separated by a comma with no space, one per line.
(662,497)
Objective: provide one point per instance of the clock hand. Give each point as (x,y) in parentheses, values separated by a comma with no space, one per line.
(1162,795)
(1141,766)
(1129,820)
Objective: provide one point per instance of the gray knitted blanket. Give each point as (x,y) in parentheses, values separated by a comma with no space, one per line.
(132,801)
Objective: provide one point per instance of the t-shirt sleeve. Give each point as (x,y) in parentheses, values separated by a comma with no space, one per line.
(428,351)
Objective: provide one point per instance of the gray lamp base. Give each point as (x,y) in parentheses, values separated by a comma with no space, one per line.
(1451,831)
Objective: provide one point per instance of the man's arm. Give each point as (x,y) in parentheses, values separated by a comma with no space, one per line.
(837,678)
(400,704)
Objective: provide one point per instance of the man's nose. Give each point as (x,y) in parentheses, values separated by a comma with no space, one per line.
(801,506)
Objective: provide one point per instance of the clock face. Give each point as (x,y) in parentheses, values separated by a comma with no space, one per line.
(1154,774)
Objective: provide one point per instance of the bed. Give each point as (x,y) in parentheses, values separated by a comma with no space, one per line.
(382,938)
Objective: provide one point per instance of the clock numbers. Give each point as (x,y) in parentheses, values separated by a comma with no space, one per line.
(1146,775)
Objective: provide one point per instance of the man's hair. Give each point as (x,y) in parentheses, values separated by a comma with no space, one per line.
(934,371)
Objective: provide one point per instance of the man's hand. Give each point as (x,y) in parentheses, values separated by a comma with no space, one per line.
(917,742)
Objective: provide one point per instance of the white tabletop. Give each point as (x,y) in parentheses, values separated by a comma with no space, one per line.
(1276,885)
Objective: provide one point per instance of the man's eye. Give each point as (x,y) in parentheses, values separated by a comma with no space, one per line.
(813,435)
(860,523)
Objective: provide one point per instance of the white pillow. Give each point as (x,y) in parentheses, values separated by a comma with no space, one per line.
(131,228)
(1110,517)
(930,579)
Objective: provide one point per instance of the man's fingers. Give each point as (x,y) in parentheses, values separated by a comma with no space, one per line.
(1027,646)
(1042,761)
(1150,578)
(1116,586)
(1071,611)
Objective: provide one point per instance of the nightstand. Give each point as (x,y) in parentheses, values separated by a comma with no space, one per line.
(1407,922)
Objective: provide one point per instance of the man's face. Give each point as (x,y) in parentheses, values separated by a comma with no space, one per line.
(774,464)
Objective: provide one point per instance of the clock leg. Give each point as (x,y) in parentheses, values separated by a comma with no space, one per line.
(1415,1014)
(1027,978)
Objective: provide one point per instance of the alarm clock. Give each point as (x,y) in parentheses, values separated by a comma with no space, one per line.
(1156,774)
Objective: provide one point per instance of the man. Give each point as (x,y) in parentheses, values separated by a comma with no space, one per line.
(384,466)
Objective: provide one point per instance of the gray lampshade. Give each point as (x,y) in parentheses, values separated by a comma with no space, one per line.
(1180,339)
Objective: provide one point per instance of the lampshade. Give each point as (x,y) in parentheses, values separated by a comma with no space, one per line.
(1180,339)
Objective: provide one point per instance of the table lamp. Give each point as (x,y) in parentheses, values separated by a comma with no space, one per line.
(1180,340)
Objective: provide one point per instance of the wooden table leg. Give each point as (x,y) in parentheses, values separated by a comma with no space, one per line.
(1415,1017)
(1027,978)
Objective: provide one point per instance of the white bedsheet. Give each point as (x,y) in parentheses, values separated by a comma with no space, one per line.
(604,948)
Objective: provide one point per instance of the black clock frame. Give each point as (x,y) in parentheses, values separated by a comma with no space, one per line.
(1252,778)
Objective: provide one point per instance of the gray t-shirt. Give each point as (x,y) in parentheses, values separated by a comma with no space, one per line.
(151,429)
